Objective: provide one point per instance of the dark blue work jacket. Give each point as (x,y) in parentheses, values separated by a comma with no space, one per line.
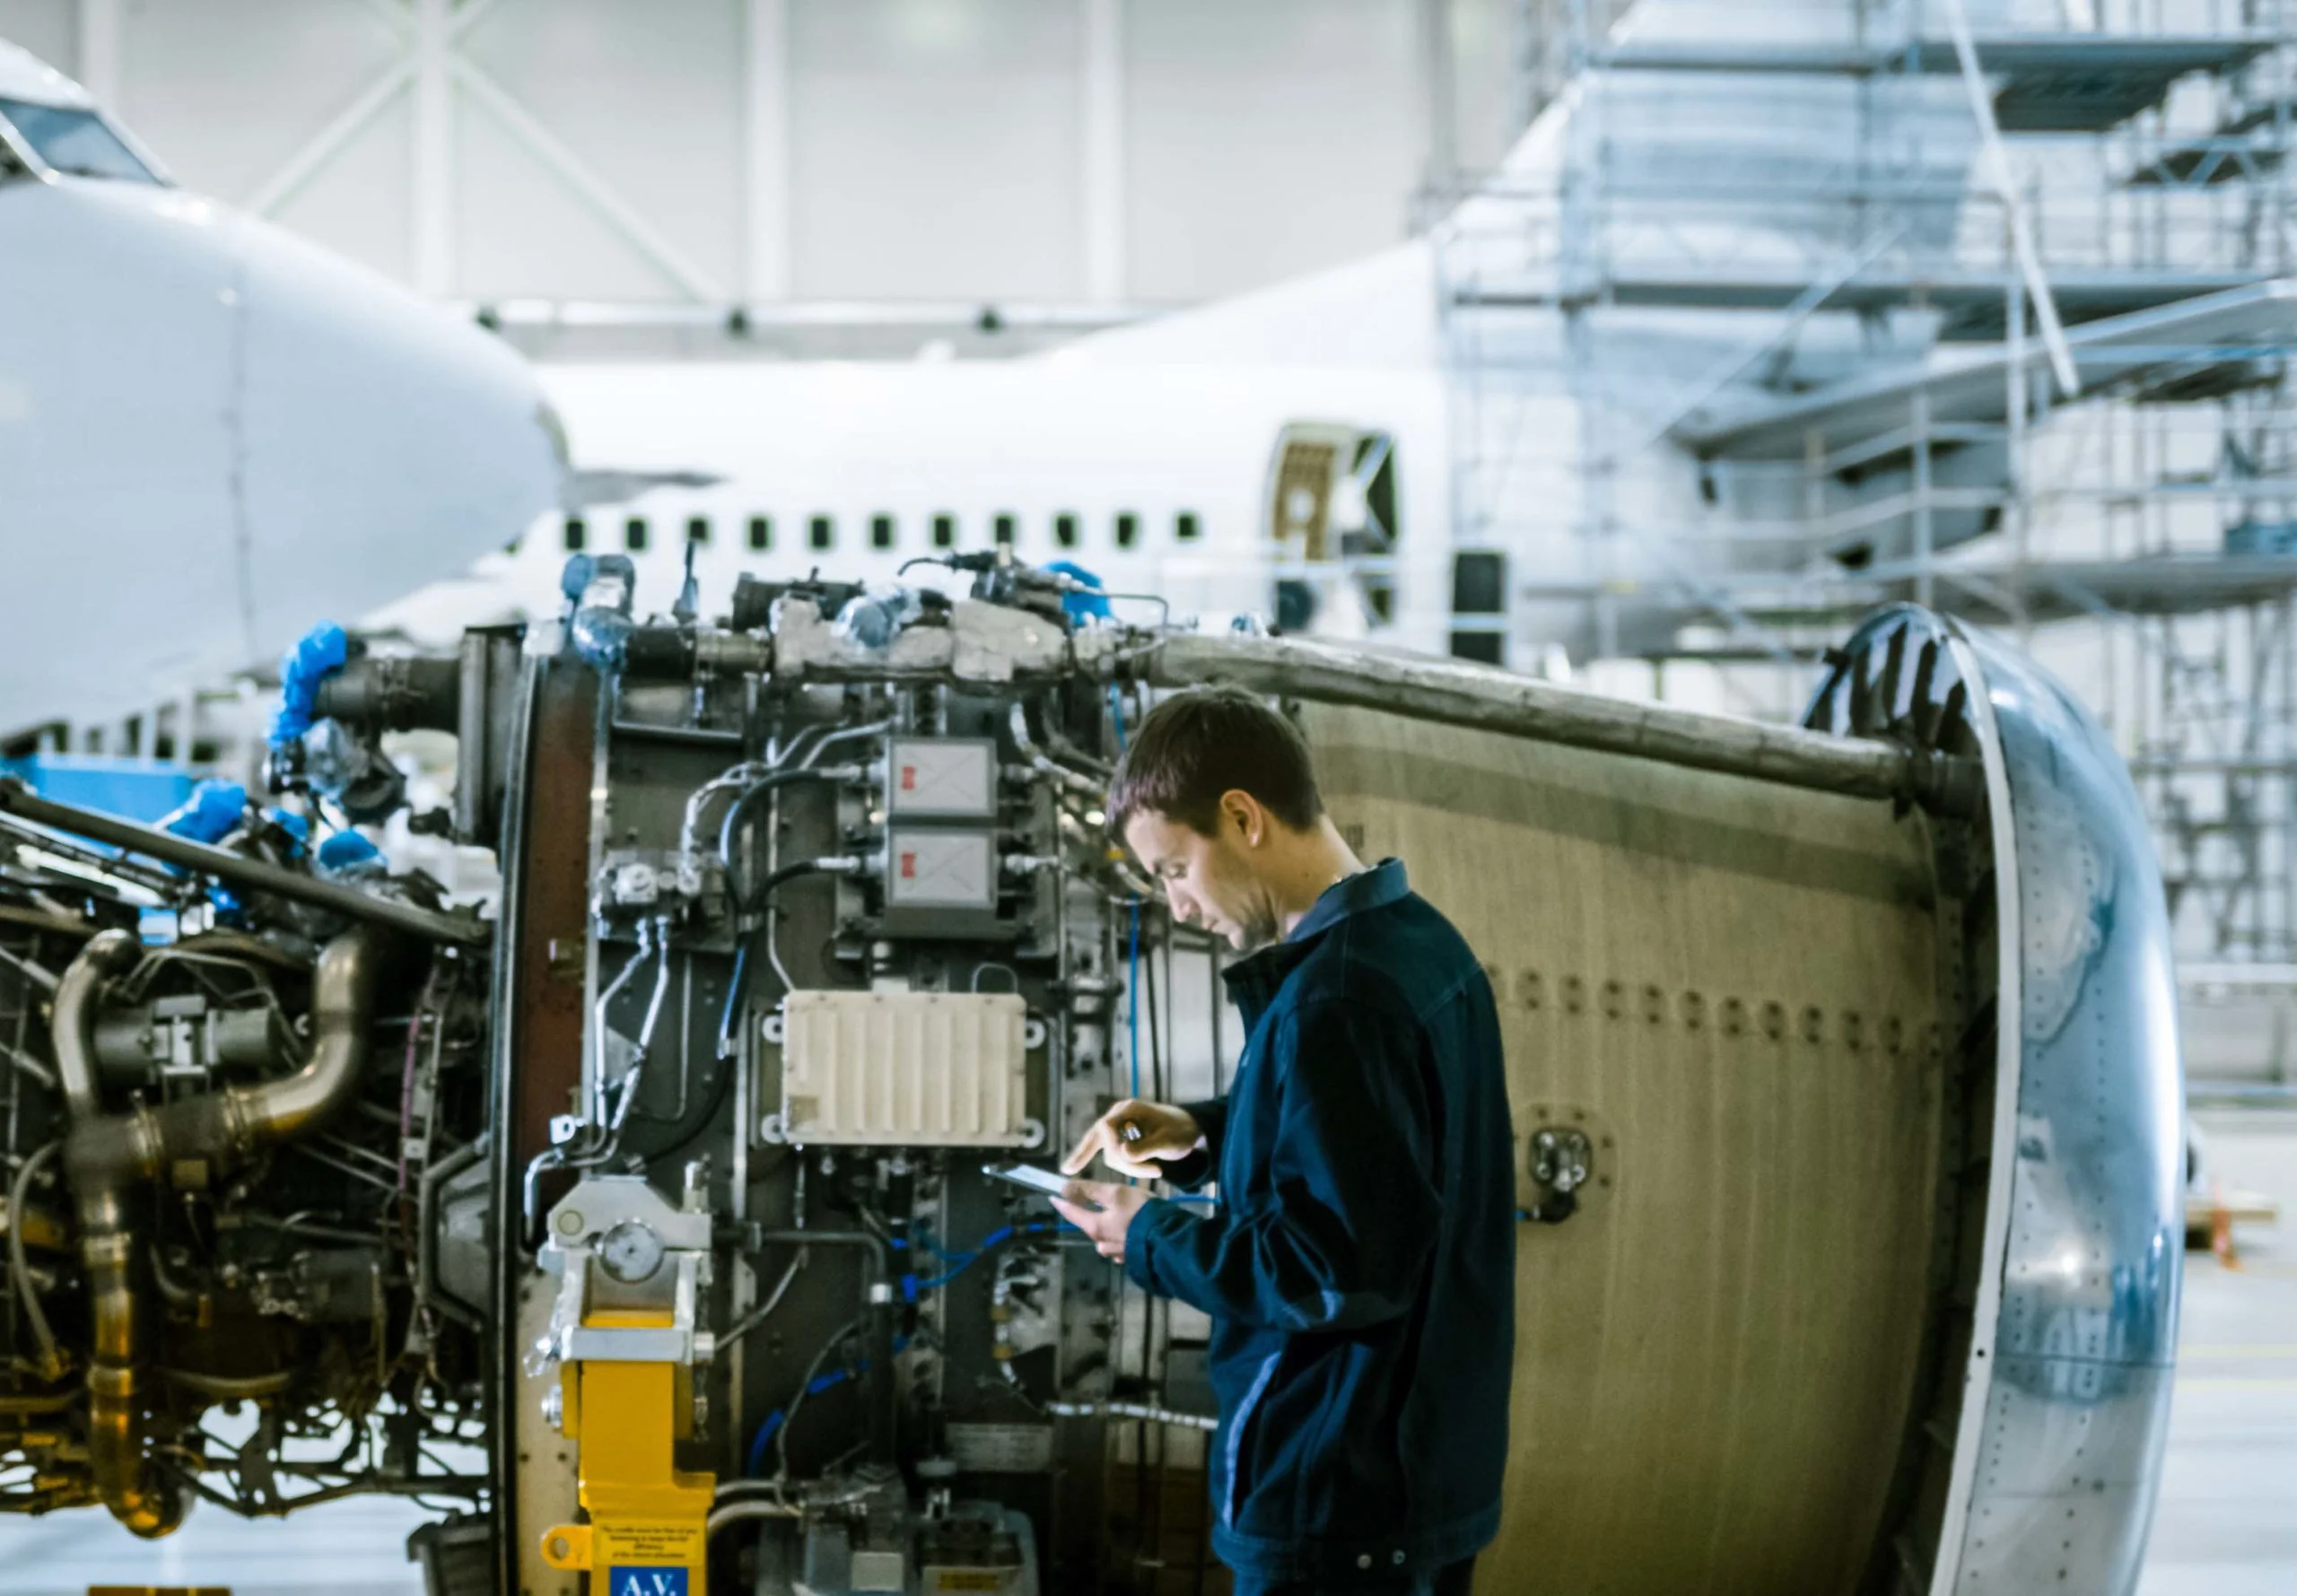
(1361,1267)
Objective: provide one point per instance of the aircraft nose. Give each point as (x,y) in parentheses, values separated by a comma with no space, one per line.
(288,436)
(403,442)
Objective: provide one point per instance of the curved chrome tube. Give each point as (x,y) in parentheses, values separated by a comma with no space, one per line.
(1045,766)
(747,1509)
(107,954)
(343,1013)
(106,1155)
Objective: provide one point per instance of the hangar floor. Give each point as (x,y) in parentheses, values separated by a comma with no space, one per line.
(2227,1520)
(2226,1526)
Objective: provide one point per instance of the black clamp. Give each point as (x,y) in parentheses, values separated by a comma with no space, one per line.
(1562,1161)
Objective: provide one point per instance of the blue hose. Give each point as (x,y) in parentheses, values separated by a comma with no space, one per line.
(818,1384)
(733,999)
(773,1420)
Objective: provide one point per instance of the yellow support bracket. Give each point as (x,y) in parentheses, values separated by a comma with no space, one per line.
(649,1519)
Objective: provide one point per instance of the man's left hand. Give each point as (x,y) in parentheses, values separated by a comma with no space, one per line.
(1108,1224)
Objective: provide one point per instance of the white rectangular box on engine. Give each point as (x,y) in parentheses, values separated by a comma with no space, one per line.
(905,1068)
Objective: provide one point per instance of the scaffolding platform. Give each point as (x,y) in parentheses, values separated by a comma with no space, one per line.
(1993,594)
(2242,328)
(2046,83)
(2247,145)
(2155,586)
(1972,300)
(1672,271)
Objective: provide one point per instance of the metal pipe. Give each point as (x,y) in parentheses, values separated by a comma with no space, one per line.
(73,1020)
(39,975)
(661,986)
(871,1242)
(396,692)
(596,1093)
(1075,758)
(470,737)
(1044,763)
(768,785)
(343,1009)
(19,1266)
(1486,700)
(875,1323)
(1163,1416)
(758,1315)
(738,1511)
(106,1155)
(258,875)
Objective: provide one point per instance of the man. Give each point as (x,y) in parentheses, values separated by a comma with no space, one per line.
(1359,1270)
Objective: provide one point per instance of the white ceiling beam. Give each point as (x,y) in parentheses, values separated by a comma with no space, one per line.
(768,268)
(98,68)
(433,169)
(576,174)
(471,13)
(395,15)
(307,162)
(1439,103)
(1104,151)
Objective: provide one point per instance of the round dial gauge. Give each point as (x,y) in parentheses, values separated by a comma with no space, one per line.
(631,1252)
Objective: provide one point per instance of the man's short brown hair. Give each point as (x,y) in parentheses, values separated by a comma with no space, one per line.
(1205,741)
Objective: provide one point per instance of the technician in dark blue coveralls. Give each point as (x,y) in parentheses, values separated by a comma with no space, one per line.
(1359,1269)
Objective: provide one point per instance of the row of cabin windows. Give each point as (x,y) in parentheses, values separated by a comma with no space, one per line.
(1479,606)
(821,531)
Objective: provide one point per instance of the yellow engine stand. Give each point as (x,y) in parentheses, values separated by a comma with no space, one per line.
(648,1531)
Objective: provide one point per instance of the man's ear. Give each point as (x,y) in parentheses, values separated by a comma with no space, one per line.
(1244,812)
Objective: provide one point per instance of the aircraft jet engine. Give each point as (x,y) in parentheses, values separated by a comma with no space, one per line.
(647,1219)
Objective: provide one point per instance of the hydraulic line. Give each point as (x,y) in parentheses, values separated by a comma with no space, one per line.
(746,899)
(20,1266)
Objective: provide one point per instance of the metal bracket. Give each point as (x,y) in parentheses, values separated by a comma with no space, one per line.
(1562,1160)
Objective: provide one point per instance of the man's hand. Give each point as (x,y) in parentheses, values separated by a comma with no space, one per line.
(1159,1134)
(1106,1224)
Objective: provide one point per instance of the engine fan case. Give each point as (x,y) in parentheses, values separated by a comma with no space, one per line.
(1734,990)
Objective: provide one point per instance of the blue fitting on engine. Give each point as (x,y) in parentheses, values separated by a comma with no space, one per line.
(1080,607)
(600,589)
(317,654)
(210,814)
(347,853)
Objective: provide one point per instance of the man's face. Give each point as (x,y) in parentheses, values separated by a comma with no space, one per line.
(1210,881)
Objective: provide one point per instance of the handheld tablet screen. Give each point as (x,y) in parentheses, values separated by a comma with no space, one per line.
(1043,1181)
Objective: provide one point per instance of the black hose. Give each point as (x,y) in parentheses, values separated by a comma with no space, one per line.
(686,1131)
(805,1388)
(875,1325)
(729,1059)
(735,810)
(775,880)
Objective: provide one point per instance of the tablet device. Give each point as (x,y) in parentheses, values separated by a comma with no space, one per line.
(1043,1181)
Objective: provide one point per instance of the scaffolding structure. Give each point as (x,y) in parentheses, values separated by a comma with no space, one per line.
(1983,303)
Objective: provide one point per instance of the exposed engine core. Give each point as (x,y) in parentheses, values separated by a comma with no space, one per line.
(226,1143)
(645,1221)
